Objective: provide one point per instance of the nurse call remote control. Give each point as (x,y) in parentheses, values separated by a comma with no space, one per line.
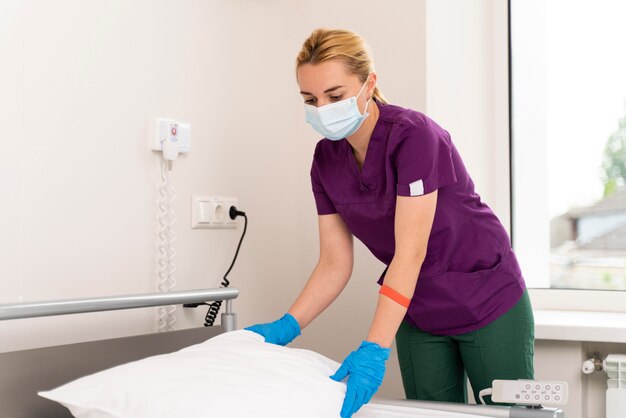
(529,392)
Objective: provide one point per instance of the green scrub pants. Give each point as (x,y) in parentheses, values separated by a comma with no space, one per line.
(433,367)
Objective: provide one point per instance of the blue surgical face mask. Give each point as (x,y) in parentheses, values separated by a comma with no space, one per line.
(337,120)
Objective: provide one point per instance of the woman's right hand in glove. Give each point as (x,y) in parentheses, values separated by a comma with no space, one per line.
(280,332)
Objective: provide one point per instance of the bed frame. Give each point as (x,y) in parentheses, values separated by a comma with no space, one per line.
(24,373)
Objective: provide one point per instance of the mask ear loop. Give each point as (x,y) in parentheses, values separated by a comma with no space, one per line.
(364,84)
(367,102)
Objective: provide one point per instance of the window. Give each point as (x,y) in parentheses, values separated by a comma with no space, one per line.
(568,121)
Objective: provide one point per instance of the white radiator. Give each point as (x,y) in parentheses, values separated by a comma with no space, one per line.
(615,368)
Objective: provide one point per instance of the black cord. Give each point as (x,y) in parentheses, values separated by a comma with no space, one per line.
(214,307)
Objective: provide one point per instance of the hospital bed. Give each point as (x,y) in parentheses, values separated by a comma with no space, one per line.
(23,373)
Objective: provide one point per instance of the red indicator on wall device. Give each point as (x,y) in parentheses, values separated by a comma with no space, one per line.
(173,131)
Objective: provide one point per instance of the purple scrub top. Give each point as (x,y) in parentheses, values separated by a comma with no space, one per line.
(470,275)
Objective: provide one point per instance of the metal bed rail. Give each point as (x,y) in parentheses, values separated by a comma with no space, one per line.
(492,411)
(111,303)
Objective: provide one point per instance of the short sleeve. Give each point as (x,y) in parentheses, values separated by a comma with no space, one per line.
(323,203)
(423,160)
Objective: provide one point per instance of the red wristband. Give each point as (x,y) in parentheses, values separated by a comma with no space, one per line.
(395,296)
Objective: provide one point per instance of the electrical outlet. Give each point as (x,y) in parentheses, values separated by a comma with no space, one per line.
(212,212)
(529,392)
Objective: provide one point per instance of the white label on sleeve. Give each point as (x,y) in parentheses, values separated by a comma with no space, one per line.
(417,188)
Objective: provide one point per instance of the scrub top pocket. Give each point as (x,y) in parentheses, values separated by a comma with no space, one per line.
(457,301)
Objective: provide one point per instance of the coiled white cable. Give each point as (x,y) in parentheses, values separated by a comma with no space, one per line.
(171,266)
(167,252)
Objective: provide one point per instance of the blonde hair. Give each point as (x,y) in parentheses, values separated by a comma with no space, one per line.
(338,44)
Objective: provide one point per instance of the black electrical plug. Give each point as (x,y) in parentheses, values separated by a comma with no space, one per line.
(233,212)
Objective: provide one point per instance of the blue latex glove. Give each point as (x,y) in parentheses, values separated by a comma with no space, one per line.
(366,369)
(280,332)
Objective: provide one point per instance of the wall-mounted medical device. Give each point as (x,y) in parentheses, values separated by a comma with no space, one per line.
(170,137)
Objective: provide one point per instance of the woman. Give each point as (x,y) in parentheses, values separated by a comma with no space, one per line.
(452,295)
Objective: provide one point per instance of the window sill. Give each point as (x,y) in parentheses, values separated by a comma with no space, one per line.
(578,300)
(580,326)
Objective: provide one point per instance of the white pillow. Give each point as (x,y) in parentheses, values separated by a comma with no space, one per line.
(235,374)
